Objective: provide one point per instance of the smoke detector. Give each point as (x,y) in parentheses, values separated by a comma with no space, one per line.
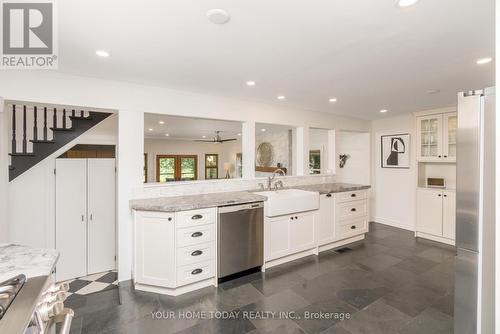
(218,16)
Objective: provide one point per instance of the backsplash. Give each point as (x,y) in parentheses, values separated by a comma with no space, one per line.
(215,186)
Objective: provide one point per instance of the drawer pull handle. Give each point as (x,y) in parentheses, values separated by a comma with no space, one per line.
(196,217)
(353,195)
(169,219)
(196,253)
(353,210)
(197,271)
(196,234)
(328,195)
(353,227)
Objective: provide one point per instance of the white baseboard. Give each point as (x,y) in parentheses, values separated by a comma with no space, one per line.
(393,223)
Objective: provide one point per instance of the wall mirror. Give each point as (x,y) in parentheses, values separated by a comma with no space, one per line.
(190,149)
(274,149)
(318,151)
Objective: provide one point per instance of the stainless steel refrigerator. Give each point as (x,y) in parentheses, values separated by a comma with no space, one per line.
(475,217)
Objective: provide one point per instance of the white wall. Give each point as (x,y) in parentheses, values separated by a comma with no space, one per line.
(227,153)
(52,87)
(357,145)
(31,195)
(393,200)
(4,173)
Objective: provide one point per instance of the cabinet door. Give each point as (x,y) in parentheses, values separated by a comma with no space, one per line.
(101,215)
(429,131)
(303,232)
(450,137)
(430,211)
(326,228)
(449,212)
(154,248)
(277,238)
(71,218)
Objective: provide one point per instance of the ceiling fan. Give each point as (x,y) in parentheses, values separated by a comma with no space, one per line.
(217,139)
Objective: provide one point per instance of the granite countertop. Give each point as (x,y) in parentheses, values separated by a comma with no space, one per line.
(328,188)
(191,202)
(32,262)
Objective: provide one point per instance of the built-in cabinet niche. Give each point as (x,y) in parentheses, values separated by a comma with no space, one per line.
(436,132)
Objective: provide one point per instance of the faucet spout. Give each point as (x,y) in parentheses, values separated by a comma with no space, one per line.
(271,178)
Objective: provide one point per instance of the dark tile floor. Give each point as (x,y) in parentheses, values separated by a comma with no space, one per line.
(389,283)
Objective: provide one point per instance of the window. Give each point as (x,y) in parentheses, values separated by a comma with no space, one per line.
(145,173)
(176,168)
(211,166)
(314,162)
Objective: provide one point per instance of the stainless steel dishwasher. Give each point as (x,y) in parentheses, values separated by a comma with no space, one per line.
(240,240)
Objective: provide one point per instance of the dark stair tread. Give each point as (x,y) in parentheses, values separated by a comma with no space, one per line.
(12,167)
(42,141)
(88,118)
(61,129)
(22,154)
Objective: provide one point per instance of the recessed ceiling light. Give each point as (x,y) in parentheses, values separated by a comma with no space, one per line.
(383,111)
(333,100)
(150,129)
(280,97)
(161,122)
(433,91)
(102,53)
(407,3)
(483,61)
(218,16)
(203,136)
(250,83)
(239,134)
(263,130)
(167,134)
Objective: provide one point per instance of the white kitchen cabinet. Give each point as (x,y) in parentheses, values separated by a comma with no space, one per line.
(175,253)
(154,259)
(449,214)
(303,232)
(286,235)
(436,137)
(430,211)
(436,214)
(326,228)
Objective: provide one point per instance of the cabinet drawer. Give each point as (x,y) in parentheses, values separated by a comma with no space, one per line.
(351,196)
(195,272)
(196,253)
(350,210)
(195,217)
(354,227)
(195,235)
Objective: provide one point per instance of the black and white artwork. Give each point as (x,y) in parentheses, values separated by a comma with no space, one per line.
(395,151)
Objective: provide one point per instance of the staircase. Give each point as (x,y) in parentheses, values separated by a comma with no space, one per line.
(37,132)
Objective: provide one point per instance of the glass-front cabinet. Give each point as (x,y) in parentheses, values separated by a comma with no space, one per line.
(437,137)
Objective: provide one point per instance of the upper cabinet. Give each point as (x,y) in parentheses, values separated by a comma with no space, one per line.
(436,137)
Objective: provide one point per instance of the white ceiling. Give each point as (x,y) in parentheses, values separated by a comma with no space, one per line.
(369,54)
(186,128)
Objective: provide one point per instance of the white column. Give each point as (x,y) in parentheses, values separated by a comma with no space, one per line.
(302,151)
(332,153)
(4,172)
(130,170)
(248,149)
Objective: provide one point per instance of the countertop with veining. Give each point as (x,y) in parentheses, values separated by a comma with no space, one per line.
(191,202)
(328,188)
(17,259)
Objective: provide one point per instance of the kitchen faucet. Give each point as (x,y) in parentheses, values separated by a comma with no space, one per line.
(271,178)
